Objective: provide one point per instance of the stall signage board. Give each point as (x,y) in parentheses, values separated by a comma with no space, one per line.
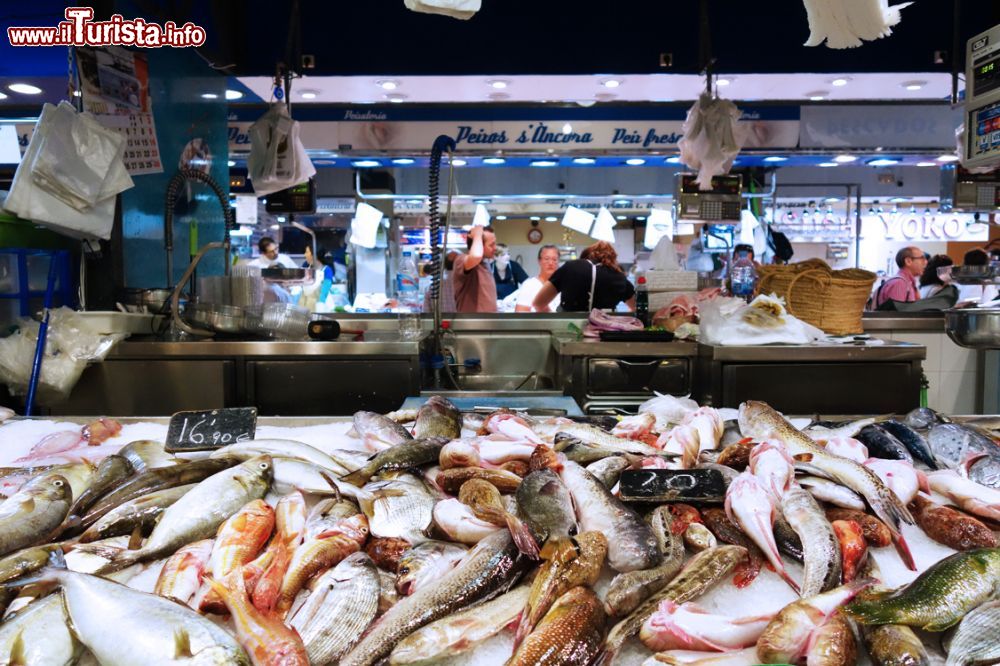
(210,429)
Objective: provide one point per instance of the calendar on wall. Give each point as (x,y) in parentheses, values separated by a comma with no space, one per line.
(115,87)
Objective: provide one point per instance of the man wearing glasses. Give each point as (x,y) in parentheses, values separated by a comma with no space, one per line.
(269,255)
(903,285)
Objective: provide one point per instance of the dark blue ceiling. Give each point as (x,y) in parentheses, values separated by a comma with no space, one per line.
(381,37)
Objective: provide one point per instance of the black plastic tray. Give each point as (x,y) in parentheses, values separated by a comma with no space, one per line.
(637,336)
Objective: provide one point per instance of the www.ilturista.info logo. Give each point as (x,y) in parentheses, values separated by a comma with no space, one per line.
(80,30)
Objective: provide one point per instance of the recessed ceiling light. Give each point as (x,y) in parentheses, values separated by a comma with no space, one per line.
(775,158)
(535,218)
(499,96)
(395,98)
(481,201)
(611,83)
(640,217)
(623,202)
(3,96)
(898,200)
(500,217)
(458,162)
(844,159)
(231,163)
(493,160)
(366,163)
(926,164)
(831,200)
(233,94)
(544,163)
(567,128)
(308,93)
(24,88)
(635,161)
(673,160)
(499,84)
(584,160)
(203,95)
(620,217)
(842,81)
(882,161)
(403,160)
(913,85)
(722,83)
(827,164)
(947,158)
(388,84)
(551,218)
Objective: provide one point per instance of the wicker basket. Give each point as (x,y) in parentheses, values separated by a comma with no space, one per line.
(815,293)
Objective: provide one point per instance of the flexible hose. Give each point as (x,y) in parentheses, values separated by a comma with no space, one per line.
(443,143)
(170,201)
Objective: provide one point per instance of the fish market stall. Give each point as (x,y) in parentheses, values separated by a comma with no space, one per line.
(410,536)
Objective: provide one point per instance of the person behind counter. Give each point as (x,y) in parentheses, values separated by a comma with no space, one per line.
(548,262)
(320,263)
(507,273)
(930,282)
(475,290)
(903,285)
(269,255)
(976,292)
(595,280)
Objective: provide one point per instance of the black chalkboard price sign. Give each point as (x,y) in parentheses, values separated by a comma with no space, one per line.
(212,429)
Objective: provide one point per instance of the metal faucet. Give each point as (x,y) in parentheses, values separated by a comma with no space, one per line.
(170,202)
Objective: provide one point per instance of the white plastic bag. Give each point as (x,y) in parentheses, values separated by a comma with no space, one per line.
(69,346)
(845,23)
(278,160)
(32,202)
(712,138)
(76,156)
(459,9)
(730,321)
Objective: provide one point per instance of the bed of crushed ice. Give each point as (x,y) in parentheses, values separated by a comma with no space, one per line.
(768,593)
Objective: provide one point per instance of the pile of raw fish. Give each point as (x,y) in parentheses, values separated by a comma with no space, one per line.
(440,532)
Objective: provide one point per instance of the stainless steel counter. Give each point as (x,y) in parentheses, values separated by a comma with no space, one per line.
(931,322)
(890,350)
(375,343)
(571,346)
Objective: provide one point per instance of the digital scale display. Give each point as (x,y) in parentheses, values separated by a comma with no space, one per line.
(986,76)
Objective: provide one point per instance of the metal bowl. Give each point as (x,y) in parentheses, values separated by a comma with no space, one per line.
(971,274)
(218,318)
(976,328)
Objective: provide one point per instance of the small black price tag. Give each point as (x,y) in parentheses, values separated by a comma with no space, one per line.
(210,429)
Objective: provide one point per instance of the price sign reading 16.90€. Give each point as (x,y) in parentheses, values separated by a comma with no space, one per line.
(213,429)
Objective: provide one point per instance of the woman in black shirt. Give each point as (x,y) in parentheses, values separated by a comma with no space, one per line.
(595,280)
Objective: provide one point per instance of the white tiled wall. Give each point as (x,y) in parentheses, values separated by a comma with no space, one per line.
(952,371)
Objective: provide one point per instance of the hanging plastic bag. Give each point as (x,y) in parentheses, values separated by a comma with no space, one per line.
(712,138)
(278,160)
(459,9)
(843,24)
(76,156)
(29,200)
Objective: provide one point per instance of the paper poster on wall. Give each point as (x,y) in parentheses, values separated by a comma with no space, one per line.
(115,88)
(10,149)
